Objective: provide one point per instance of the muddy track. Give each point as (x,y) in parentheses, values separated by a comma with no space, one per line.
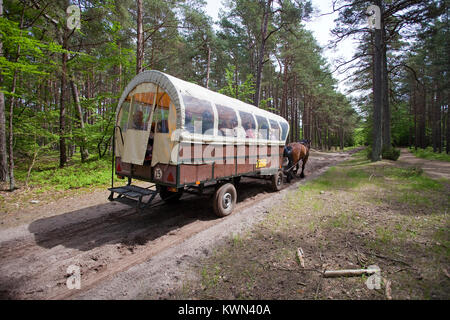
(108,238)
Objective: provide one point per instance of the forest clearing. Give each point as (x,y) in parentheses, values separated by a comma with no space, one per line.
(226,150)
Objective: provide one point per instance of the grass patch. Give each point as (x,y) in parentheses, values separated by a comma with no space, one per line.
(356,214)
(47,175)
(430,155)
(48,182)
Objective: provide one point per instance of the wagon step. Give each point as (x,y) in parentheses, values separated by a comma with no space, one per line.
(133,192)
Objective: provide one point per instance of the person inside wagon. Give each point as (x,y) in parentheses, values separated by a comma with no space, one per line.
(207,122)
(138,120)
(274,134)
(249,133)
(226,128)
(149,151)
(235,126)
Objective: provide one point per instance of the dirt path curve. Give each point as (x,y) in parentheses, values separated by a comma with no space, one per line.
(434,168)
(123,253)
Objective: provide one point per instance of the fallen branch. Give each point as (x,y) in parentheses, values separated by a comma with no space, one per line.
(388,292)
(348,272)
(295,270)
(300,257)
(389,258)
(318,288)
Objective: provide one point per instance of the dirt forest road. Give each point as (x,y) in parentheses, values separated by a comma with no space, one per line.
(435,169)
(123,254)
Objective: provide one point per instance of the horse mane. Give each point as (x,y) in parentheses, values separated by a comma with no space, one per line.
(306,143)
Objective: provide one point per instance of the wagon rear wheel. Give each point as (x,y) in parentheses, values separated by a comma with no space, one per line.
(225,200)
(169,196)
(277,181)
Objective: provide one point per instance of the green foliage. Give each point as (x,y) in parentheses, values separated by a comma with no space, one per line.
(387,153)
(179,40)
(390,153)
(76,174)
(33,51)
(368,152)
(359,137)
(242,91)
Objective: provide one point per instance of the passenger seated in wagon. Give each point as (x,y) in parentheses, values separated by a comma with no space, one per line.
(138,120)
(249,130)
(224,128)
(149,151)
(207,122)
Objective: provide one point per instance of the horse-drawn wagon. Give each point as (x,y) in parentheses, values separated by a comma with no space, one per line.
(185,138)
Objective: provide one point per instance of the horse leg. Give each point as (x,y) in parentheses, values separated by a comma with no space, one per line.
(302,175)
(289,176)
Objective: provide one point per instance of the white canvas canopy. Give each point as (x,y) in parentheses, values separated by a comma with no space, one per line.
(189,113)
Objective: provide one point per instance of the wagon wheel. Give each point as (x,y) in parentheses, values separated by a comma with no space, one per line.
(277,181)
(168,196)
(225,200)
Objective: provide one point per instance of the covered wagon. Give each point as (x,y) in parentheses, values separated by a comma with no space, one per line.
(182,137)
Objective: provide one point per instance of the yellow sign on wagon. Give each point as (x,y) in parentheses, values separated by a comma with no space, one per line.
(261,163)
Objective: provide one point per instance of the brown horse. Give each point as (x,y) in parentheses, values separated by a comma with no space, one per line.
(295,152)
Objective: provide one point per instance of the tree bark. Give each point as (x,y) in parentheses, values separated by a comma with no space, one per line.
(377,94)
(265,21)
(11,131)
(387,143)
(140,39)
(447,133)
(62,102)
(76,98)
(3,156)
(208,65)
(12,183)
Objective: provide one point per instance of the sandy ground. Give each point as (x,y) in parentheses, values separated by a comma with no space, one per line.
(434,168)
(123,254)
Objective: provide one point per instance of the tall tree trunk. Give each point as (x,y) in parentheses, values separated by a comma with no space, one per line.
(377,94)
(140,39)
(387,143)
(422,117)
(120,70)
(3,156)
(12,183)
(208,65)
(11,132)
(434,117)
(305,126)
(284,97)
(259,68)
(386,112)
(447,133)
(62,102)
(438,118)
(84,151)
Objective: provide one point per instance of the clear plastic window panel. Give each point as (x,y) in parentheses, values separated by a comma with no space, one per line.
(228,122)
(263,128)
(274,130)
(160,123)
(249,124)
(123,116)
(140,113)
(284,130)
(199,116)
